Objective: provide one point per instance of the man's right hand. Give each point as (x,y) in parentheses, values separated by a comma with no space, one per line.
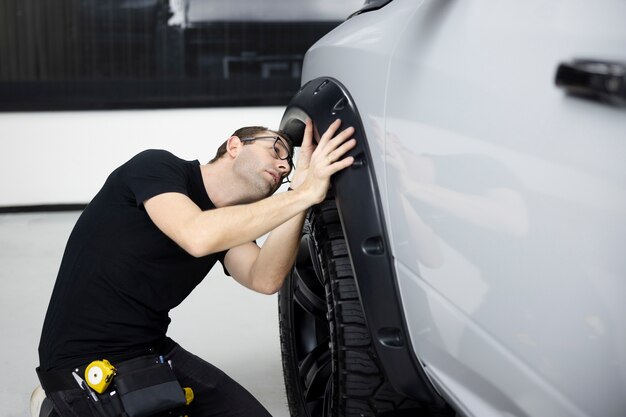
(317,163)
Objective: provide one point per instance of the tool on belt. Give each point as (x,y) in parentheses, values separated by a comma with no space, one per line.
(99,375)
(137,387)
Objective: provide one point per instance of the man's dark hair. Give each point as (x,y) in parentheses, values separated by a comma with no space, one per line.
(250,131)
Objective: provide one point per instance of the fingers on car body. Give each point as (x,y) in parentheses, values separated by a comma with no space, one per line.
(332,147)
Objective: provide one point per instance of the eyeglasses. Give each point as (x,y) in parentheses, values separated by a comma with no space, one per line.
(280,149)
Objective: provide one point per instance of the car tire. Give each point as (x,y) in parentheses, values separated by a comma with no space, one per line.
(329,363)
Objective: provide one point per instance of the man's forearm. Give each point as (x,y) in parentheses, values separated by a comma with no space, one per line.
(223,228)
(278,254)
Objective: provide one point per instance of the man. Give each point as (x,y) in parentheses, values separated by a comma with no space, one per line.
(150,236)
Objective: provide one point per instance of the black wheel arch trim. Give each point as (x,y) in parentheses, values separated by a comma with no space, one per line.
(358,201)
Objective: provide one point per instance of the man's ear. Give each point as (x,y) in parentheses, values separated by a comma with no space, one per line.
(233,146)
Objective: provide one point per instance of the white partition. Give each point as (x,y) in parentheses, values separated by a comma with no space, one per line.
(50,158)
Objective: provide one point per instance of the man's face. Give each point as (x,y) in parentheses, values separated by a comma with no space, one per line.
(260,167)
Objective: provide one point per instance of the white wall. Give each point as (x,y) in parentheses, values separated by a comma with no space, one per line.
(65,157)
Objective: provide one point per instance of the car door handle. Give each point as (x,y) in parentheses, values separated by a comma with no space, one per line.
(604,80)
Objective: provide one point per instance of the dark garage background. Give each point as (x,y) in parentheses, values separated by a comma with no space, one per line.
(110,54)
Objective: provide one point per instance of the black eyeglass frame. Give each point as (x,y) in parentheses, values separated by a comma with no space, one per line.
(276,140)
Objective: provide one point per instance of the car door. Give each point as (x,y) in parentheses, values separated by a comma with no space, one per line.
(507,198)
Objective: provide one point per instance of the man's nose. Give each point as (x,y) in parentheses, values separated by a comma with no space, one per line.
(283,167)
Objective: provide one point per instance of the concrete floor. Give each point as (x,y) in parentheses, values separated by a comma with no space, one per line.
(222,322)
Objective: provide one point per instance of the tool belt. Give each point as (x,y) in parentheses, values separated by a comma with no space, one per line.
(139,387)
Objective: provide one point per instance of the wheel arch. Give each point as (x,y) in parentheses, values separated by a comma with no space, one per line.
(359,204)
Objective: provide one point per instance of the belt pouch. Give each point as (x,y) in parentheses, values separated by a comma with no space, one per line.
(149,389)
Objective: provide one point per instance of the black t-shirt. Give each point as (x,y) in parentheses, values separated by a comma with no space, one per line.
(120,275)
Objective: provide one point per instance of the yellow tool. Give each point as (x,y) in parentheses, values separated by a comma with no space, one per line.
(188,395)
(99,375)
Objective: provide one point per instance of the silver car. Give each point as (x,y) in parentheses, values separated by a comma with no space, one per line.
(471,261)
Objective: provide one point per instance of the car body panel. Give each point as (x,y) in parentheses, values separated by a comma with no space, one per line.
(359,52)
(505,198)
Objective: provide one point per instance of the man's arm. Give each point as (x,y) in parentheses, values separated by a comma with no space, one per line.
(265,269)
(203,232)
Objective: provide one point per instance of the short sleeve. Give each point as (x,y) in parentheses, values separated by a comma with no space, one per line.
(154,172)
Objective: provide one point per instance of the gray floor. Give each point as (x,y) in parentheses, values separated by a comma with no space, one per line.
(226,324)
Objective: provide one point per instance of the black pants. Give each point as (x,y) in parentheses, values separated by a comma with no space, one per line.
(216,394)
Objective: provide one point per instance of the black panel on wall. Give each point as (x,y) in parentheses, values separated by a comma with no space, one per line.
(110,54)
